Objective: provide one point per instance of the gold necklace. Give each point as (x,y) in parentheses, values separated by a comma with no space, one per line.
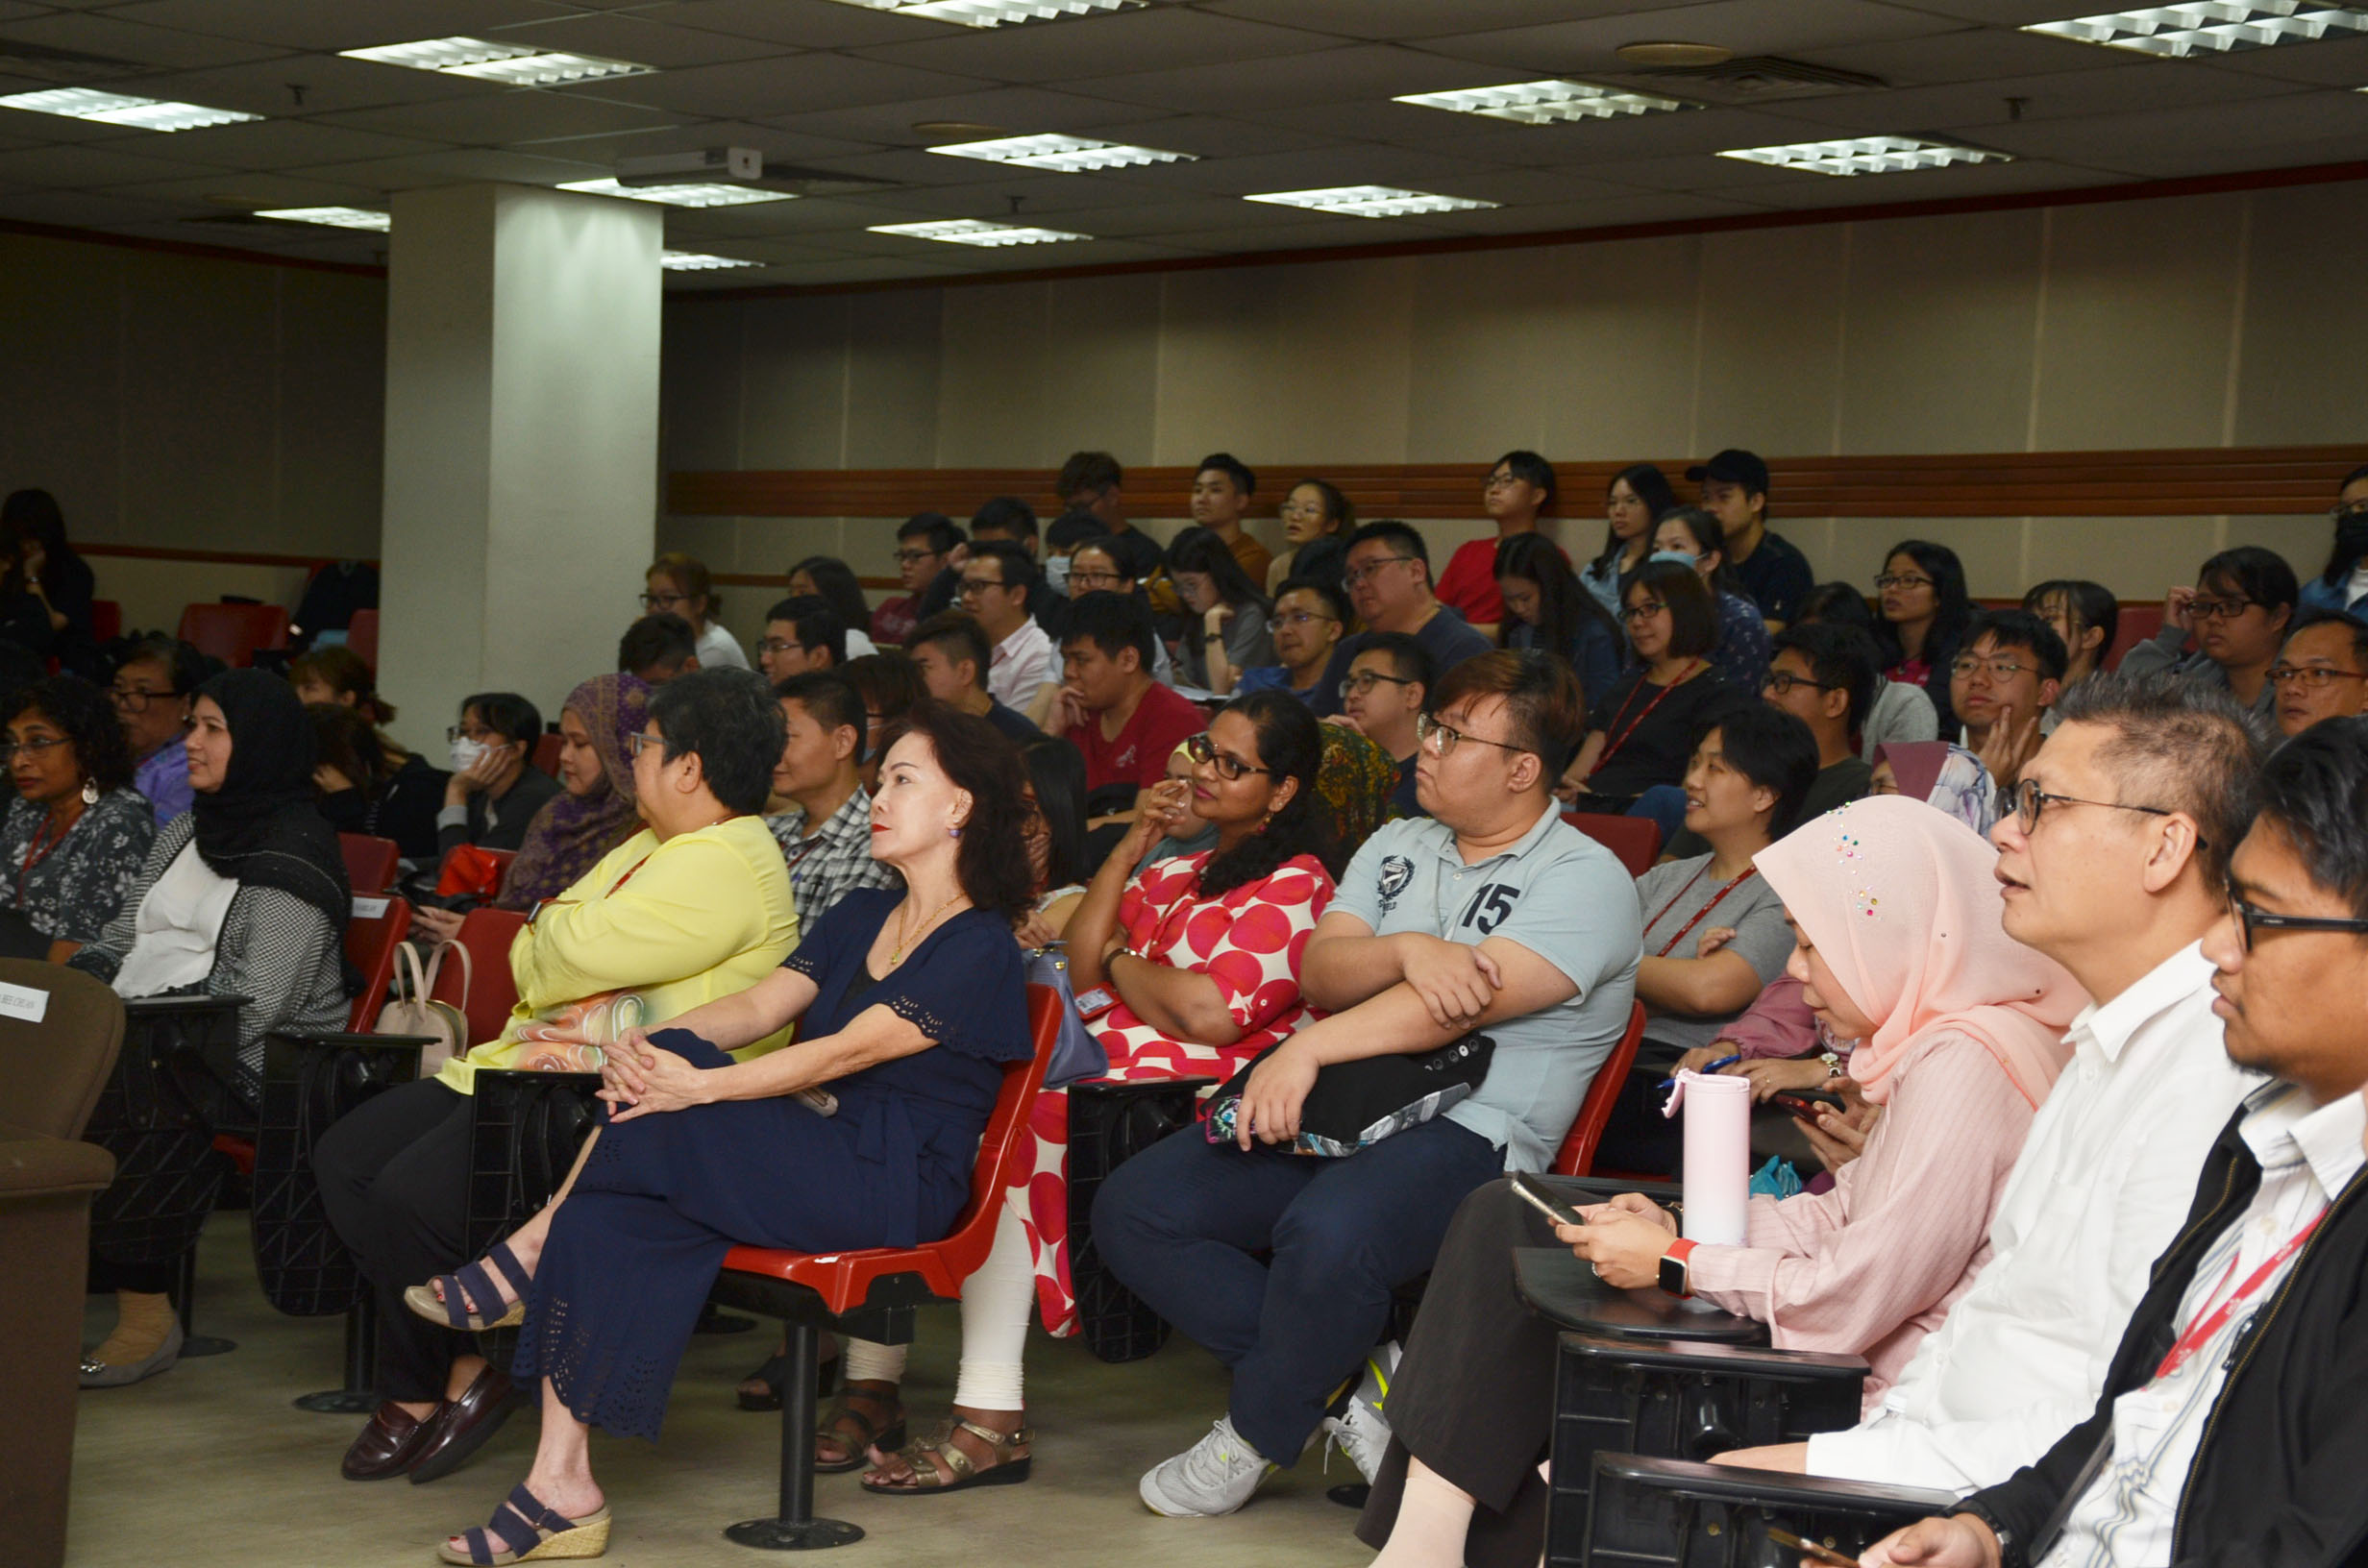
(904,935)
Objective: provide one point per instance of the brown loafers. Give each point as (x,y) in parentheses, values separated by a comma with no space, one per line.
(387,1446)
(461,1426)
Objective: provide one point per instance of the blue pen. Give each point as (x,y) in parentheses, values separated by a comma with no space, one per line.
(1722,1062)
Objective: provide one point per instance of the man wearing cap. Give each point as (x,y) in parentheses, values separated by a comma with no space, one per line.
(1771,568)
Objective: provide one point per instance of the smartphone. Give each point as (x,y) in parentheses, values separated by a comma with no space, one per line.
(1094,1002)
(1811,1549)
(1805,1103)
(1540,1197)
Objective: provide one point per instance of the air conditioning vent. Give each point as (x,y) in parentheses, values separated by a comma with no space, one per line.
(1753,79)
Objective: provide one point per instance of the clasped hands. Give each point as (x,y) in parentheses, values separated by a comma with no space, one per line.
(638,1078)
(1624,1239)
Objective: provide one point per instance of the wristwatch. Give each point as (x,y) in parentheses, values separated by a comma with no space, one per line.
(1833,1063)
(1674,1271)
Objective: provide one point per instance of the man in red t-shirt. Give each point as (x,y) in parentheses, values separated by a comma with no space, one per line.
(1123,720)
(1519,487)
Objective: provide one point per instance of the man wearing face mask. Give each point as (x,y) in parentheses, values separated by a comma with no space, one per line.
(495,789)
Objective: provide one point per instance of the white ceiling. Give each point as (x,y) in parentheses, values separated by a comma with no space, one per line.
(1270,94)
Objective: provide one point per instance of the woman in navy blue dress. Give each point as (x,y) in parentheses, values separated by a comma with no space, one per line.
(913,1002)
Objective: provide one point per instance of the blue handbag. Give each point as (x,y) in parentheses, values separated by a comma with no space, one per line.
(1077,1055)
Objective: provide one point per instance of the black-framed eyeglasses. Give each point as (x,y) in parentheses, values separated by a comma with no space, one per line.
(1901,579)
(2249,917)
(1356,575)
(2027,800)
(909,558)
(2316,678)
(135,699)
(1781,681)
(655,603)
(1202,749)
(483,737)
(2218,609)
(1441,738)
(1995,668)
(1645,609)
(980,585)
(1362,682)
(1296,617)
(1096,582)
(36,745)
(776,645)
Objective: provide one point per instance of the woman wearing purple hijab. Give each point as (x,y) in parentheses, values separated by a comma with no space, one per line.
(597,813)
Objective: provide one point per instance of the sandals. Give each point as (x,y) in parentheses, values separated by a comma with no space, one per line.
(528,1532)
(874,1435)
(474,1283)
(925,1457)
(774,1374)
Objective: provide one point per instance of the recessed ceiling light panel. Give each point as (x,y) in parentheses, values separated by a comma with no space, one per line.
(336,217)
(1545,102)
(2198,27)
(122,108)
(974,232)
(700,261)
(513,64)
(993,12)
(680,195)
(1062,155)
(1865,155)
(1369,201)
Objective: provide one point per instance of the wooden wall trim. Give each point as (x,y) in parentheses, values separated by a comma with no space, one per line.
(208,558)
(2184,483)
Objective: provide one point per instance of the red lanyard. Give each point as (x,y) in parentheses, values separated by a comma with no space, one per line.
(1749,872)
(2201,1331)
(1663,695)
(37,853)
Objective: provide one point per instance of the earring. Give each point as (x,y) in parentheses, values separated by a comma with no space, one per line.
(90,792)
(953,832)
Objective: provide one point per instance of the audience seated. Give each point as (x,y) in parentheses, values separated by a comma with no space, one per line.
(1386,691)
(1517,488)
(1062,537)
(657,648)
(1633,503)
(1824,676)
(243,895)
(1199,954)
(2003,686)
(1092,482)
(833,581)
(2085,615)
(1769,567)
(1122,721)
(2341,587)
(494,790)
(76,833)
(1182,830)
(1055,828)
(1011,520)
(25,617)
(1925,612)
(1225,614)
(1316,523)
(1640,732)
(951,652)
(678,584)
(153,685)
(1389,582)
(1358,783)
(58,580)
(1692,535)
(1901,712)
(1940,773)
(824,816)
(1959,1032)
(359,793)
(801,633)
(2238,613)
(406,790)
(695,906)
(1539,955)
(1309,620)
(890,684)
(2228,1426)
(2321,673)
(1221,489)
(1542,605)
(999,584)
(925,543)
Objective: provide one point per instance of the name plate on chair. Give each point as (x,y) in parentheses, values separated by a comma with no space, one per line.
(370,909)
(23,1003)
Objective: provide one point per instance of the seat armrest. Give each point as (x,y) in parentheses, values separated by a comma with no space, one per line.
(33,1165)
(1715,1360)
(1601,1189)
(1772,1488)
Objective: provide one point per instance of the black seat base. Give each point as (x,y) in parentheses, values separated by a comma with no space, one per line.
(790,1535)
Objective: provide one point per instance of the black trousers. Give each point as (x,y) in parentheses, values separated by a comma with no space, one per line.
(1475,1395)
(394,1177)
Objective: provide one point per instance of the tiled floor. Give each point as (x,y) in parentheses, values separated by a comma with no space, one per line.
(210,1464)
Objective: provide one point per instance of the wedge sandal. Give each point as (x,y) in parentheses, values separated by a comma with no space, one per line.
(474,1283)
(528,1532)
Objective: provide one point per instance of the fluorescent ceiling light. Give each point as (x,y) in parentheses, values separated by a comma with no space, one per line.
(2209,26)
(993,12)
(1063,154)
(974,232)
(1369,201)
(1545,103)
(682,195)
(697,261)
(1865,155)
(336,217)
(513,64)
(122,108)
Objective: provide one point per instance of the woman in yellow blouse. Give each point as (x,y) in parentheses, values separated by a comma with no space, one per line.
(693,907)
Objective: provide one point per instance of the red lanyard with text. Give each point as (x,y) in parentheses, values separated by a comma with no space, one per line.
(1621,739)
(1749,872)
(2201,1332)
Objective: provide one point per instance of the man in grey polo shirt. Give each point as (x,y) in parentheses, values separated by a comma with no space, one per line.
(1493,915)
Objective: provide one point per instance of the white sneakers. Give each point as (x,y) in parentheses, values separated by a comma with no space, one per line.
(1214,1477)
(1361,1431)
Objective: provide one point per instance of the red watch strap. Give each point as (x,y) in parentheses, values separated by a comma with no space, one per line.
(1680,1249)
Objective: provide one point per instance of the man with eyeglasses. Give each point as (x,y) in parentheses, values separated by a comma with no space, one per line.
(2002,685)
(2113,855)
(925,544)
(2232,1425)
(1383,697)
(1388,575)
(801,635)
(999,584)
(1517,488)
(1493,915)
(150,693)
(1307,625)
(2322,673)
(2238,613)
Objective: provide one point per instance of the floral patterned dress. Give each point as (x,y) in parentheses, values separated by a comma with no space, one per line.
(1249,942)
(70,888)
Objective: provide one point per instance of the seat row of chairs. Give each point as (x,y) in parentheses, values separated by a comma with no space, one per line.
(235,634)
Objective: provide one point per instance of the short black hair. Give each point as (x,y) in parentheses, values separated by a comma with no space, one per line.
(1088,471)
(1201,551)
(1056,770)
(655,641)
(1774,751)
(829,697)
(86,715)
(732,722)
(506,714)
(2019,631)
(1328,591)
(1840,657)
(2314,791)
(1403,536)
(1232,467)
(1530,468)
(1112,622)
(1018,566)
(2176,744)
(1693,613)
(2087,605)
(1073,527)
(2262,575)
(815,622)
(835,581)
(1409,659)
(2358,631)
(961,636)
(1006,514)
(181,661)
(941,531)
(1837,602)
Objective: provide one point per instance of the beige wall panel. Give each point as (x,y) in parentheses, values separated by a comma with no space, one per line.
(792,411)
(153,593)
(713,540)
(1488,351)
(2304,540)
(62,379)
(1101,378)
(200,446)
(1772,338)
(1622,385)
(2140,303)
(869,545)
(2138,557)
(991,388)
(767,545)
(1268,362)
(2305,337)
(1938,348)
(699,392)
(892,373)
(333,411)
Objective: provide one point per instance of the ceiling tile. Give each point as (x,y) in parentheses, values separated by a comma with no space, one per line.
(1205,136)
(505,118)
(1344,74)
(789,84)
(808,24)
(639,37)
(2299,127)
(1605,212)
(2334,62)
(278,144)
(1020,109)
(330,83)
(88,167)
(1348,165)
(1748,27)
(451,168)
(144,46)
(1974,107)
(77,210)
(1392,19)
(241,189)
(1088,45)
(331,25)
(778,146)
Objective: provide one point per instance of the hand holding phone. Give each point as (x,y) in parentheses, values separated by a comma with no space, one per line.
(1803,1104)
(1542,1198)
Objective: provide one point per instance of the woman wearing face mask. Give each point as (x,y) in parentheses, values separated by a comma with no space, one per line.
(2342,587)
(1696,536)
(495,789)
(1225,631)
(1636,495)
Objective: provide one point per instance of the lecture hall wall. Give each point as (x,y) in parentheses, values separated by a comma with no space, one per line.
(180,403)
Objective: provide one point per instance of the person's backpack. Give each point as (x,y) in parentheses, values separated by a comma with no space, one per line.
(413,1012)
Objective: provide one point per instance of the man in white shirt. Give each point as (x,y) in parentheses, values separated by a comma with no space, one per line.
(998,582)
(2232,1427)
(2120,894)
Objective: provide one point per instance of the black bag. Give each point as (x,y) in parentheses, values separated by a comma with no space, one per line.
(1362,1102)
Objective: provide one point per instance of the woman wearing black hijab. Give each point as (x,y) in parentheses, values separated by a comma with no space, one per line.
(244,894)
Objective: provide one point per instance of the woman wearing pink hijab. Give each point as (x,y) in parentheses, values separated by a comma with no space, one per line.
(1960,1034)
